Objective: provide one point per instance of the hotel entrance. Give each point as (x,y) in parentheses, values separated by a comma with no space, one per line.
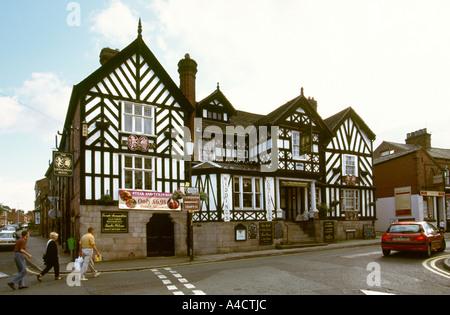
(294,199)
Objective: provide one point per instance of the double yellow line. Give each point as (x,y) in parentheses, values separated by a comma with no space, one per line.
(430,264)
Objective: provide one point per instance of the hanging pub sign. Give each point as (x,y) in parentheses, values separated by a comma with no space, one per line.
(147,200)
(62,164)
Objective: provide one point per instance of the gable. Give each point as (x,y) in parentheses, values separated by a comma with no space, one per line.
(350,137)
(297,114)
(216,106)
(135,74)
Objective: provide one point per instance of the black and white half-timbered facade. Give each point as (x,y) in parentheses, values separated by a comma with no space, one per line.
(349,167)
(267,178)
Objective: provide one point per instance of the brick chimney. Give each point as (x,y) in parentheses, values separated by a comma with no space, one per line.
(311,100)
(106,54)
(420,137)
(313,103)
(187,68)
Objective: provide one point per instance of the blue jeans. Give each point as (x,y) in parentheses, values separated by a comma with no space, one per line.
(19,258)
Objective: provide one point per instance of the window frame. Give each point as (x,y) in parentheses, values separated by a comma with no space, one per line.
(135,170)
(353,199)
(345,165)
(256,194)
(134,117)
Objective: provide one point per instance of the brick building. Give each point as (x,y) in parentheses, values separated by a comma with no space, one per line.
(410,180)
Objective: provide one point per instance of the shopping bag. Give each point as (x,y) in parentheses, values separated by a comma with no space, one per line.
(98,258)
(78,263)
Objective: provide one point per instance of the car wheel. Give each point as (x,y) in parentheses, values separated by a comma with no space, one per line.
(386,252)
(443,246)
(427,253)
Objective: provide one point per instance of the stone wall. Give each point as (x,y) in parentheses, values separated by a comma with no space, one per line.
(134,243)
(209,237)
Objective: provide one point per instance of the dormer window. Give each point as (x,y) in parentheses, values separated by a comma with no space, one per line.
(387,152)
(210,114)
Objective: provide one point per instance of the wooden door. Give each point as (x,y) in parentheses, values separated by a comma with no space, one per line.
(160,236)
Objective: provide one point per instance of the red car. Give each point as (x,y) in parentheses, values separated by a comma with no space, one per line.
(412,236)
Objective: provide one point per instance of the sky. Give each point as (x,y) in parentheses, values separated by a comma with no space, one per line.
(387,59)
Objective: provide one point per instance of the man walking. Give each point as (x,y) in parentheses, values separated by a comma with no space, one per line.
(19,258)
(87,247)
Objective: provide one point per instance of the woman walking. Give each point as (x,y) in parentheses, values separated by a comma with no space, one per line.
(51,258)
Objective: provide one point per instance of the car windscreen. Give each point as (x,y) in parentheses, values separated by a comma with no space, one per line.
(407,228)
(6,235)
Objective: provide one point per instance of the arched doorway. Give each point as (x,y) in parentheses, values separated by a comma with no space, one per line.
(160,236)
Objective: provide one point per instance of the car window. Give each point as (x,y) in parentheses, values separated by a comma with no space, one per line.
(6,235)
(430,228)
(405,228)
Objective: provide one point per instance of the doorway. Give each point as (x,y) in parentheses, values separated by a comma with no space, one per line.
(292,201)
(160,236)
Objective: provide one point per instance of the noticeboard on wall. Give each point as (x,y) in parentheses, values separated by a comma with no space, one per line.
(114,222)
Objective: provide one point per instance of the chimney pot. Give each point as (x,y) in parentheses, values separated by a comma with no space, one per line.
(106,54)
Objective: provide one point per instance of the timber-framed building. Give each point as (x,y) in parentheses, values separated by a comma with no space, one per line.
(268,179)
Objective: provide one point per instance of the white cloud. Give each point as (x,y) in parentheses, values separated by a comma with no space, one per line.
(117,24)
(17,193)
(388,60)
(39,106)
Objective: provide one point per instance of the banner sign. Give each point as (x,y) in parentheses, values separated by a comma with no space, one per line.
(147,200)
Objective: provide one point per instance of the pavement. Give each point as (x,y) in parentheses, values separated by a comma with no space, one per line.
(36,246)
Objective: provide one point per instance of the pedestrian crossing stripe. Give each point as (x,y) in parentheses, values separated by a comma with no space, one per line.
(3,275)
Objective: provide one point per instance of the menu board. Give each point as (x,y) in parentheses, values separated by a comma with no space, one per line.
(369,231)
(265,233)
(328,231)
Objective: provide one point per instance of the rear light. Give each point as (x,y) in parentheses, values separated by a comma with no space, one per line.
(420,238)
(384,237)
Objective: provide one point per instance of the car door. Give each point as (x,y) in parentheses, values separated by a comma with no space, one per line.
(434,236)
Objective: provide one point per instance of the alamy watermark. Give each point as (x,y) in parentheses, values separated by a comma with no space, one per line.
(73,279)
(234,144)
(74,17)
(374,277)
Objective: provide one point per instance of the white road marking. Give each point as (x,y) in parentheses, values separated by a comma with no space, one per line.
(165,275)
(370,292)
(3,275)
(363,254)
